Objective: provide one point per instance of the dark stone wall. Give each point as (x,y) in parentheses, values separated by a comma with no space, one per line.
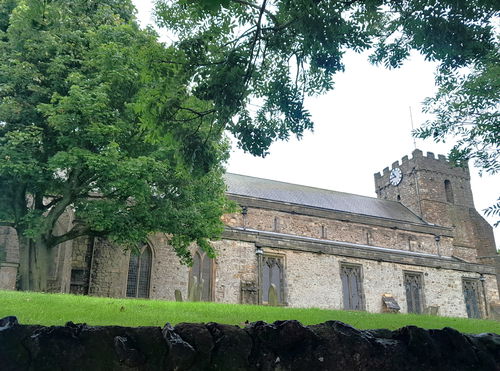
(283,345)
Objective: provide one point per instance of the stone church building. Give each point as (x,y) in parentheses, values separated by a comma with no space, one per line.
(419,247)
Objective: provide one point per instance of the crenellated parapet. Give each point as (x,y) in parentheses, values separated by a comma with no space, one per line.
(428,162)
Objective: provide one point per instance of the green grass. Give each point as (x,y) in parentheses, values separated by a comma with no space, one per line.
(57,309)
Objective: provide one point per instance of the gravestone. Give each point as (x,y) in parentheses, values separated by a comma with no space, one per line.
(178,295)
(273,295)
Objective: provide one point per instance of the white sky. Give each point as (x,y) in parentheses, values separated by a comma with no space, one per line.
(362,126)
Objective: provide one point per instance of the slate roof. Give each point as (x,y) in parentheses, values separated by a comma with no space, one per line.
(273,190)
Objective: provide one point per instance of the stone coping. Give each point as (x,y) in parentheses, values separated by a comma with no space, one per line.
(319,246)
(9,264)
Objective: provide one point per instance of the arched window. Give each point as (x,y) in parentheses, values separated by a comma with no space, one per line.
(449,191)
(200,277)
(139,273)
(272,280)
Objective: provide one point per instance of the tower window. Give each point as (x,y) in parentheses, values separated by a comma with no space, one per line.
(448,189)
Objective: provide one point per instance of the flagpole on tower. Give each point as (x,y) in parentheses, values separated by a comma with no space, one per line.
(412,128)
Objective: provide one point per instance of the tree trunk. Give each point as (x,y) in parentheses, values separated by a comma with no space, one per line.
(34,264)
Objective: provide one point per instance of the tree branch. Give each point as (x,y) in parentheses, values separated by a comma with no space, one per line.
(199,114)
(254,42)
(75,232)
(268,12)
(54,201)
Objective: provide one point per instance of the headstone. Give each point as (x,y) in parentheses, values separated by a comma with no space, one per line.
(192,289)
(495,310)
(433,310)
(178,295)
(390,304)
(273,295)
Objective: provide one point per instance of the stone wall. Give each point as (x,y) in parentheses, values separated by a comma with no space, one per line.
(109,270)
(81,264)
(282,345)
(314,280)
(9,258)
(311,279)
(168,274)
(236,263)
(344,230)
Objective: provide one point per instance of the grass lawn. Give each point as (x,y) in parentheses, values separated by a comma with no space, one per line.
(57,309)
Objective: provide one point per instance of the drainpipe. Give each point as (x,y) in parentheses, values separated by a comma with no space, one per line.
(482,279)
(244,212)
(417,190)
(437,239)
(91,267)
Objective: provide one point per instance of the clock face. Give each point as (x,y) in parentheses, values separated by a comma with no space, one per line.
(396,176)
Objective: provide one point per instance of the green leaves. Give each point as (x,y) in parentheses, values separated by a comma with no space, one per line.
(98,117)
(274,53)
(466,107)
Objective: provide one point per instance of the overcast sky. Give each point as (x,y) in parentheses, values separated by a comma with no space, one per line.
(362,126)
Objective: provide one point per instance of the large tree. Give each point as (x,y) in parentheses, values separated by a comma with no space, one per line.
(93,126)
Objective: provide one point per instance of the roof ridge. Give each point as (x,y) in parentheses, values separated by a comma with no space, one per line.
(262,188)
(318,188)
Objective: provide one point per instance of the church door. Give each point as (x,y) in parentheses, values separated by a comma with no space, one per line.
(471,295)
(352,290)
(413,287)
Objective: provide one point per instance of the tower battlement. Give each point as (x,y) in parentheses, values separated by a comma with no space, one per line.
(428,162)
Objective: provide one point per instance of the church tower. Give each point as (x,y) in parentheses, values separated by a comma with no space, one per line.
(440,194)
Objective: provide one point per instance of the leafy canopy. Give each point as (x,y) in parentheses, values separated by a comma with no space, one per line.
(258,59)
(90,121)
(466,107)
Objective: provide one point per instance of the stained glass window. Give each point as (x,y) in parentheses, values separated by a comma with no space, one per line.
(139,273)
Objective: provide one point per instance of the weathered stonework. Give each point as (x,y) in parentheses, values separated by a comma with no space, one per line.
(9,258)
(313,275)
(168,274)
(441,194)
(343,230)
(423,191)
